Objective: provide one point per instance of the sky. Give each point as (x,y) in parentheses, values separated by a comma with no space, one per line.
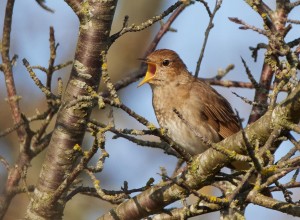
(226,45)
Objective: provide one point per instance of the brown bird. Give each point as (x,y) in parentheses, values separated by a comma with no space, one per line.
(202,107)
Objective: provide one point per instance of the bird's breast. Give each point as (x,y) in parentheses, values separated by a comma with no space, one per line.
(189,134)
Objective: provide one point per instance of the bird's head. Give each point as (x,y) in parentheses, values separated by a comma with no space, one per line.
(164,66)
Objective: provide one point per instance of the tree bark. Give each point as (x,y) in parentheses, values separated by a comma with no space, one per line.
(95,24)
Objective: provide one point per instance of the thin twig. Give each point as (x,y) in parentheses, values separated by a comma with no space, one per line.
(246,26)
(36,80)
(52,57)
(250,76)
(293,21)
(5,163)
(114,199)
(13,99)
(146,24)
(207,31)
(134,76)
(44,6)
(249,101)
(206,7)
(164,29)
(207,198)
(250,148)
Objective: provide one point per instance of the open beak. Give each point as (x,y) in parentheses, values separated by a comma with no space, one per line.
(149,74)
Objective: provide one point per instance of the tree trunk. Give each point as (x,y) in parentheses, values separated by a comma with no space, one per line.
(95,24)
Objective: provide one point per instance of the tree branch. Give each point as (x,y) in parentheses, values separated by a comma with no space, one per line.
(95,25)
(204,166)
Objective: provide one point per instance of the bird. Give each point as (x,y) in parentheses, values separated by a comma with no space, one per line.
(203,109)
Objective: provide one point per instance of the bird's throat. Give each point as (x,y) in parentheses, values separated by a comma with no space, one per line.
(149,74)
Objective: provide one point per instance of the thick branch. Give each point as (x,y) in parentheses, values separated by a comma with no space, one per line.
(95,25)
(206,165)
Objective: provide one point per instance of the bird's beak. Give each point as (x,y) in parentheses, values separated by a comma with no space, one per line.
(149,74)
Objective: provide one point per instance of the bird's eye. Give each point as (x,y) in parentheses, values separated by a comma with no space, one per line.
(166,62)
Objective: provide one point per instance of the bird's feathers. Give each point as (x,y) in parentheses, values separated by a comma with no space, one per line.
(213,108)
(202,107)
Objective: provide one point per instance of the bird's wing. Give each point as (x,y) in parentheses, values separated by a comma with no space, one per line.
(218,112)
